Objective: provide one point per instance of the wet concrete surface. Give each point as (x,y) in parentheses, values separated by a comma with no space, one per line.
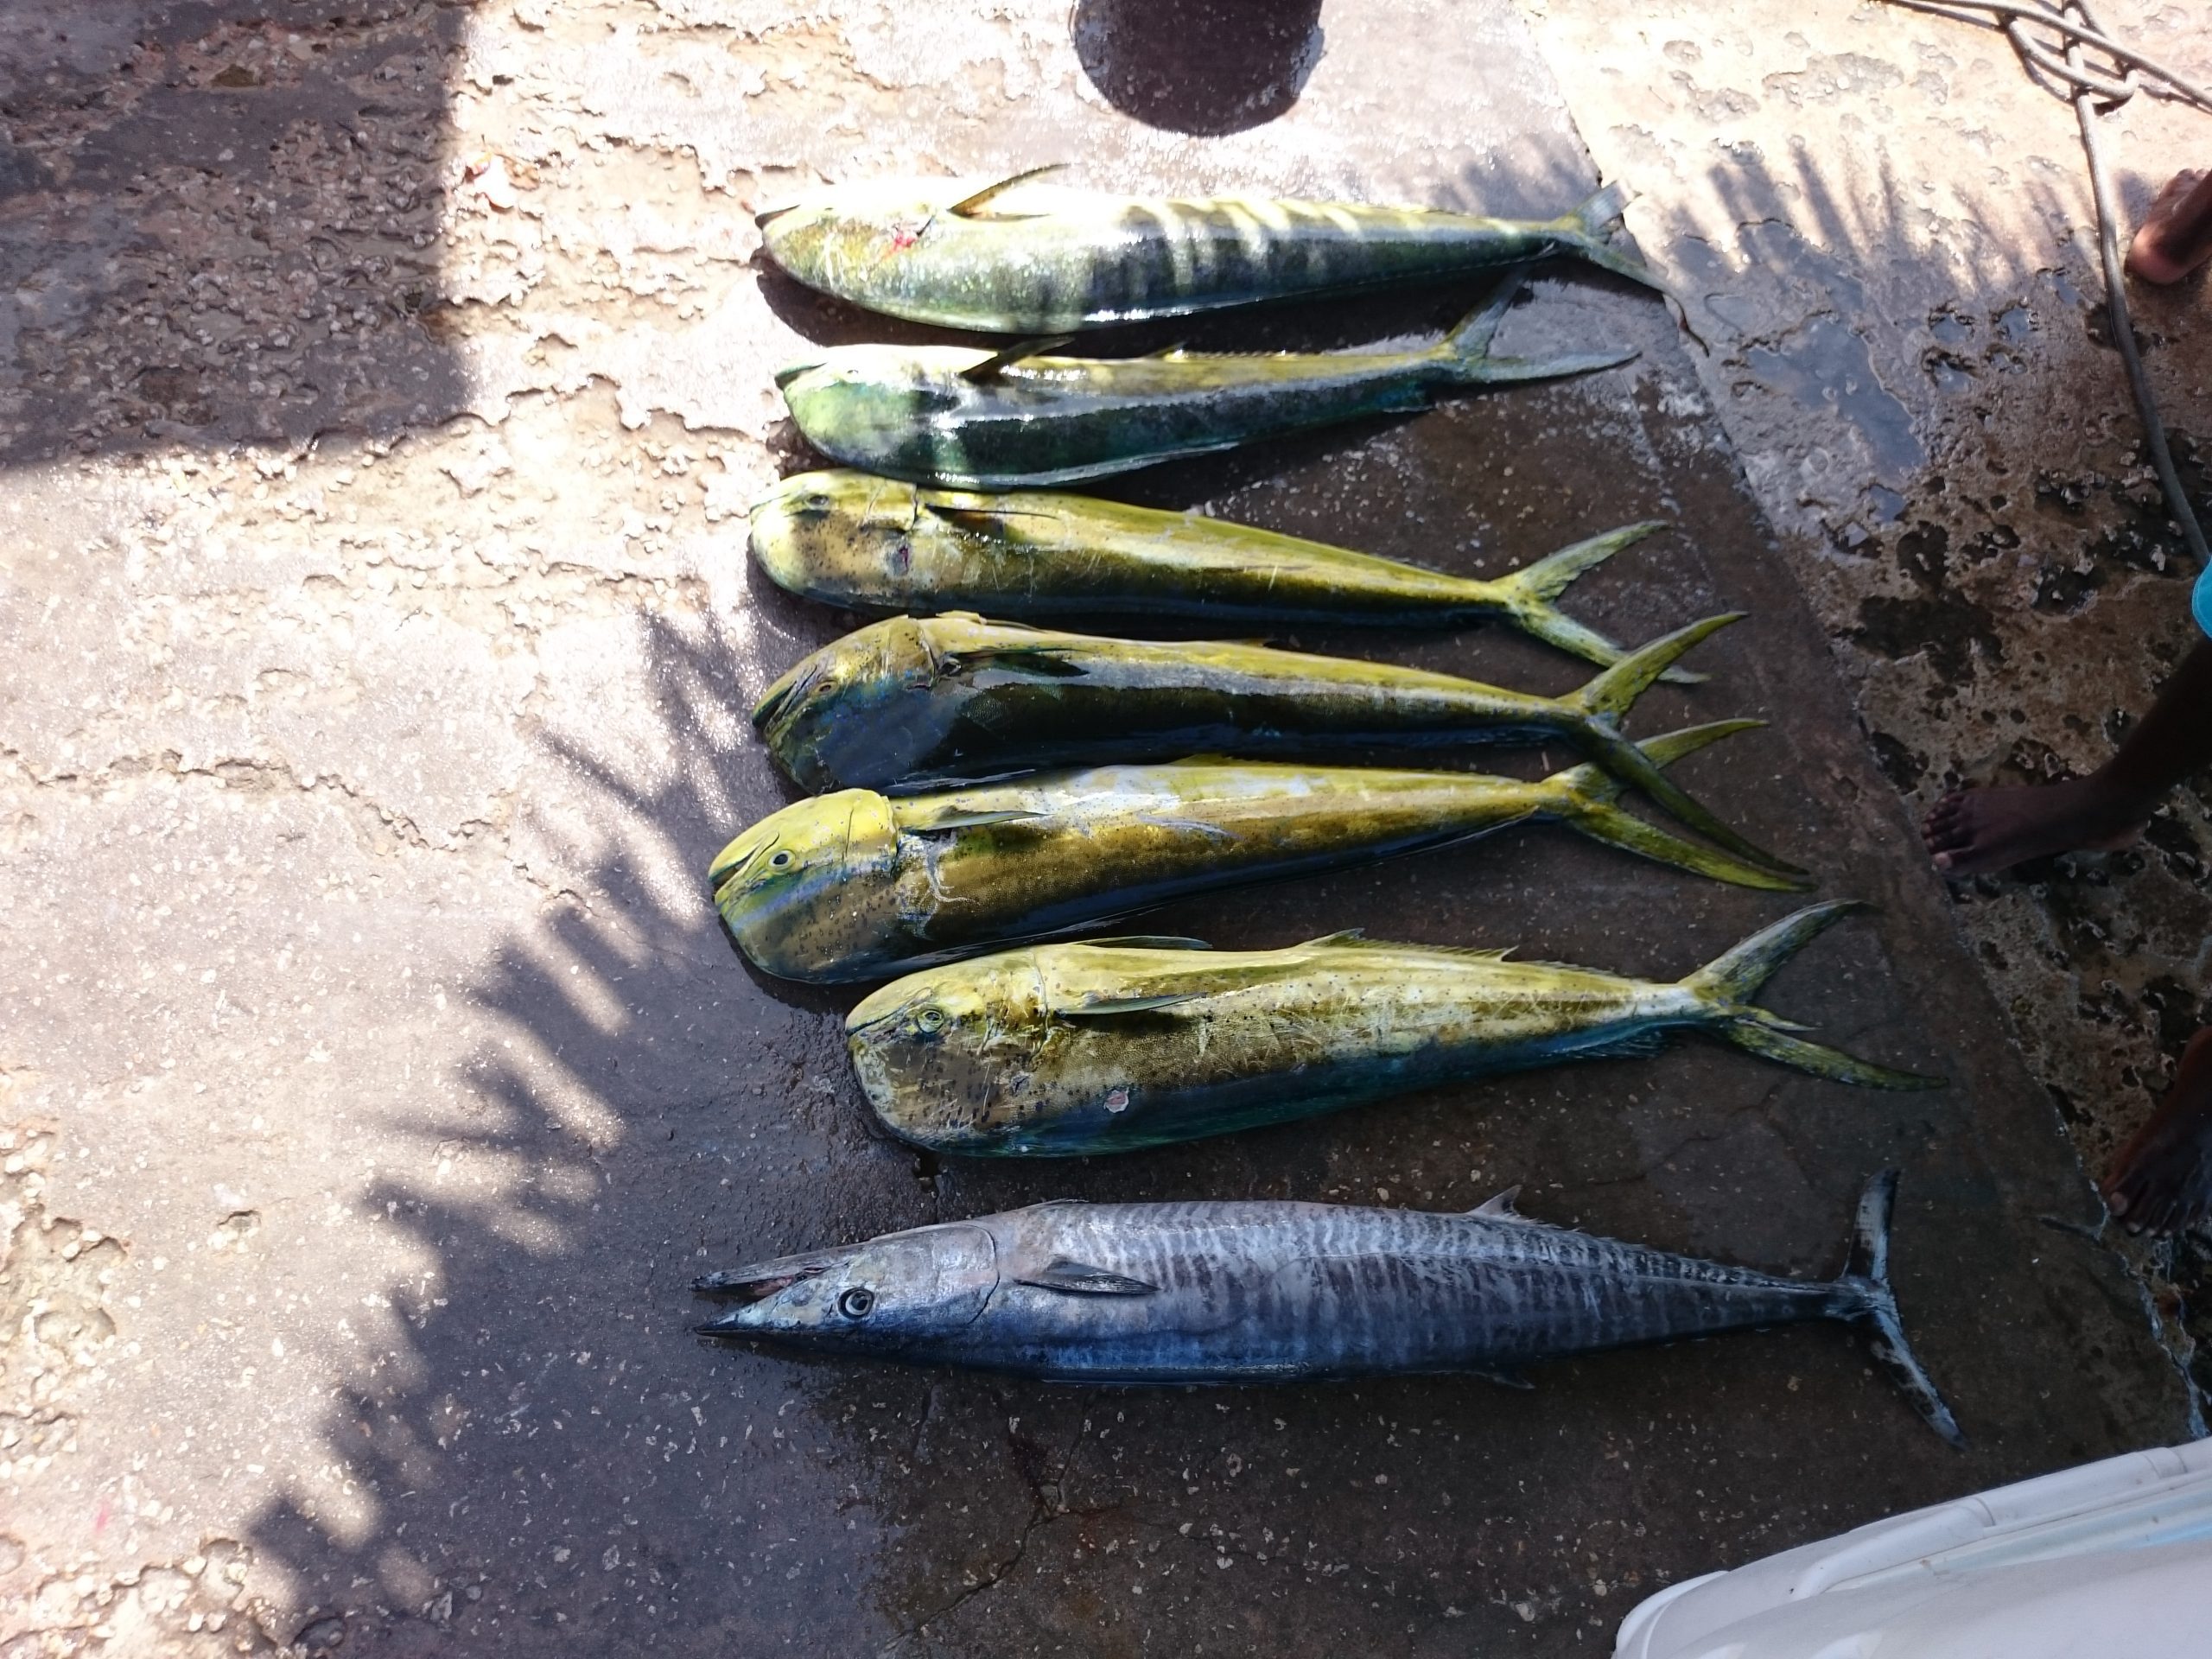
(379,1076)
(1882,227)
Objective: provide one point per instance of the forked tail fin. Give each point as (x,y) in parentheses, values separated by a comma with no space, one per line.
(1527,595)
(1726,983)
(1606,699)
(1587,797)
(1588,230)
(1863,1295)
(1631,674)
(1465,351)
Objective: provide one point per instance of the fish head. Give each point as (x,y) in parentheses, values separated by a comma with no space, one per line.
(903,1290)
(866,237)
(940,1054)
(847,713)
(881,408)
(808,892)
(842,535)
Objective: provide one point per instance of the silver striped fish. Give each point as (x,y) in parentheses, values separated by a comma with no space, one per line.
(1272,1291)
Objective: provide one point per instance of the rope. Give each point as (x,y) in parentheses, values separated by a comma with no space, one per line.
(2087,86)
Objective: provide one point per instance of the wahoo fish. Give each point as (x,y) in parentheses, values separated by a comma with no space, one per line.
(955,697)
(853,539)
(1019,416)
(1067,1050)
(1016,257)
(1276,1291)
(858,885)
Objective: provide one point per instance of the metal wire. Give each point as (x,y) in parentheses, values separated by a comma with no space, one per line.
(2089,87)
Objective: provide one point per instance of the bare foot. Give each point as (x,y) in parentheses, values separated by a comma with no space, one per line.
(2176,235)
(1975,831)
(2161,1182)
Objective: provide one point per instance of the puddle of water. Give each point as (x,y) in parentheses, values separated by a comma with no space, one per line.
(1825,365)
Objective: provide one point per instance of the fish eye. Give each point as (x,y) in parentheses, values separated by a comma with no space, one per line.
(780,860)
(857,1303)
(931,1019)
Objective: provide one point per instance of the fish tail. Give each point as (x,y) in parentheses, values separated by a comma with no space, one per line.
(1609,697)
(1726,983)
(1466,353)
(1863,1295)
(1589,230)
(1526,596)
(1600,210)
(1614,692)
(1587,797)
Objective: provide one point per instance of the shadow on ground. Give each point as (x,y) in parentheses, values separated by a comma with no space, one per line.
(1204,66)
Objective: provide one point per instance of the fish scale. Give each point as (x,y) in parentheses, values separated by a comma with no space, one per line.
(1265,1291)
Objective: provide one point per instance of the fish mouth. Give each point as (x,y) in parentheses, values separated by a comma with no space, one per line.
(775,211)
(732,861)
(760,1281)
(796,681)
(791,371)
(876,1009)
(750,1288)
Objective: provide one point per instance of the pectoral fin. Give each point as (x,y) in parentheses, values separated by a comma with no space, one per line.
(1044,662)
(1108,1008)
(982,520)
(1081,1279)
(955,819)
(972,207)
(1153,942)
(1008,356)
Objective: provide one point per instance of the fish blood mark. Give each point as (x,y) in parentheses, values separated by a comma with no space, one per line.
(1117,1100)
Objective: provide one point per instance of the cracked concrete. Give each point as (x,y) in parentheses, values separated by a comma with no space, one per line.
(381,387)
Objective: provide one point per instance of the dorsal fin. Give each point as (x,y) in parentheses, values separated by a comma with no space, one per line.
(1500,1207)
(1150,942)
(968,207)
(1007,356)
(1345,935)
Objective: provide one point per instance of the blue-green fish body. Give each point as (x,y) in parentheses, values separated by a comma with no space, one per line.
(1020,258)
(1071,1050)
(857,885)
(1022,417)
(853,539)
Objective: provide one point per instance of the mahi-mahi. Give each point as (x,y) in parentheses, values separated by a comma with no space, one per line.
(1068,1050)
(853,539)
(1017,256)
(858,885)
